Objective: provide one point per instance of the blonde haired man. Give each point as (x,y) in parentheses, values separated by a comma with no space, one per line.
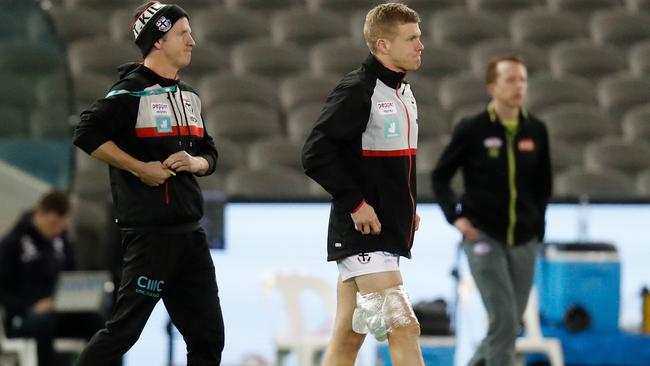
(362,151)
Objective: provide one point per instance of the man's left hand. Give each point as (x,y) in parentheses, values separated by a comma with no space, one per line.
(417,221)
(181,161)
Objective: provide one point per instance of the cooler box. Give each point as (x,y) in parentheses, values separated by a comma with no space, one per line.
(584,274)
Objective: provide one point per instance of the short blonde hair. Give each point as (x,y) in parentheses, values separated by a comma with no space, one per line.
(382,22)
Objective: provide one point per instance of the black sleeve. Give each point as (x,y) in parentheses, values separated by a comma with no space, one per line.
(544,187)
(342,120)
(451,159)
(208,150)
(101,123)
(9,269)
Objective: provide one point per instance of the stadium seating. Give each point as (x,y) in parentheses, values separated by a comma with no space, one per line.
(227,88)
(228,27)
(242,123)
(301,119)
(545,91)
(584,8)
(585,59)
(336,57)
(264,67)
(619,93)
(262,57)
(643,184)
(576,123)
(543,28)
(636,123)
(577,182)
(439,61)
(620,28)
(464,28)
(302,89)
(481,53)
(639,58)
(270,183)
(304,28)
(428,153)
(459,91)
(611,153)
(504,7)
(275,152)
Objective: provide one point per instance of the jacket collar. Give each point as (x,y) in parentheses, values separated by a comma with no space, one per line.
(387,76)
(523,113)
(134,67)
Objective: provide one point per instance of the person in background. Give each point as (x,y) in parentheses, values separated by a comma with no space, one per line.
(503,153)
(32,254)
(362,151)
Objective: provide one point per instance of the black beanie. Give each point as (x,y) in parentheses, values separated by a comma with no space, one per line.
(156,20)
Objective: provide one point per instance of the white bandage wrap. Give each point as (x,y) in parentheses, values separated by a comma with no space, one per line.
(380,312)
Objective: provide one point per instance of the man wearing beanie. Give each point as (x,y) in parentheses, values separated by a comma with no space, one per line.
(149,129)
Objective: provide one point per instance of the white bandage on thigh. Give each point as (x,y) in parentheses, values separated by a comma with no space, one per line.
(380,312)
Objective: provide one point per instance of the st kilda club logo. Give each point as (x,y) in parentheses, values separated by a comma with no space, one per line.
(363,258)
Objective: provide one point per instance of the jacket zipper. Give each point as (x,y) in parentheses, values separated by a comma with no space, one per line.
(178,123)
(166,184)
(410,158)
(512,204)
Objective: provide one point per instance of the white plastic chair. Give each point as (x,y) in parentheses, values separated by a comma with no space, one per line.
(23,348)
(533,341)
(295,336)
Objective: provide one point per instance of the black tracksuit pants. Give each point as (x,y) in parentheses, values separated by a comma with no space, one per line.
(178,269)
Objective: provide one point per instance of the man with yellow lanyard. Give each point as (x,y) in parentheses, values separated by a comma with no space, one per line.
(504,155)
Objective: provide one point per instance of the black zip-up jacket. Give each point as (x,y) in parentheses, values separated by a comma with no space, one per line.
(363,147)
(30,265)
(507,178)
(150,118)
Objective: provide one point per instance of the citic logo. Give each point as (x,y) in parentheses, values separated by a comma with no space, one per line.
(149,287)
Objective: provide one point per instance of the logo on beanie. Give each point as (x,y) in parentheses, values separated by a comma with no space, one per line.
(163,24)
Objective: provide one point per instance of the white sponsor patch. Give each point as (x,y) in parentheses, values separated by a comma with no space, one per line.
(492,142)
(160,109)
(190,111)
(386,108)
(482,248)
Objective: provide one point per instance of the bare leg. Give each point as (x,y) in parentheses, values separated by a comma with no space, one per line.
(403,341)
(345,343)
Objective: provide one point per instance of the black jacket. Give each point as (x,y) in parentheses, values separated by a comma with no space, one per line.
(506,201)
(363,147)
(150,118)
(30,265)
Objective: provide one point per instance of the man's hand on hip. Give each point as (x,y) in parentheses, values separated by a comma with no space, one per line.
(466,228)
